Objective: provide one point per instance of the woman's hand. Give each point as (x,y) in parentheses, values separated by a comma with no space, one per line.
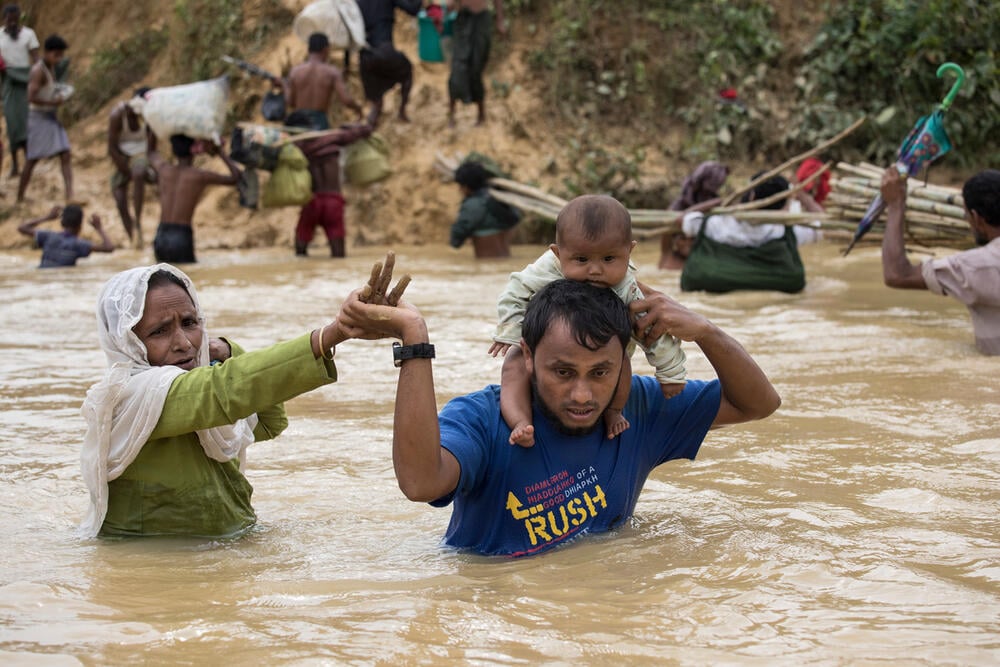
(376,291)
(375,312)
(218,350)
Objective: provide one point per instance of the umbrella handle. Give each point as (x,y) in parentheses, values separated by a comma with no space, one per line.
(960,73)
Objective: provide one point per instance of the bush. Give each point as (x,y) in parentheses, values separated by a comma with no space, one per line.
(880,58)
(113,69)
(643,64)
(209,29)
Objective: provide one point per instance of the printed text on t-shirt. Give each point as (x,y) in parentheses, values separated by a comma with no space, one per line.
(558,505)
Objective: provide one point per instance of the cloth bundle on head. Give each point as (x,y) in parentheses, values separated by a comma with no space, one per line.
(703,184)
(122,409)
(819,188)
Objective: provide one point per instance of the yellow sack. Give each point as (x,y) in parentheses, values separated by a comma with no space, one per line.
(366,161)
(290,183)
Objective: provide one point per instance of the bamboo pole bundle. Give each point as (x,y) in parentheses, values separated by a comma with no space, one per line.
(912,202)
(934,213)
(855,209)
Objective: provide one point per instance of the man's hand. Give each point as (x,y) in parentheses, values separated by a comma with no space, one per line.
(54,213)
(358,319)
(893,188)
(657,314)
(95,221)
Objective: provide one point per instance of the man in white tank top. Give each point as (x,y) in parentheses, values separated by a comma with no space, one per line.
(46,136)
(127,149)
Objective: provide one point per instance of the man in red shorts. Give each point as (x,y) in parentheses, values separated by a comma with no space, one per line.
(326,208)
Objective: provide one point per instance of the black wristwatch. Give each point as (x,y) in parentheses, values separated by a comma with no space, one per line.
(401,353)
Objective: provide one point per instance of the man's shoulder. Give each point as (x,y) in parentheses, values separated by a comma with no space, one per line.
(986,256)
(648,398)
(479,402)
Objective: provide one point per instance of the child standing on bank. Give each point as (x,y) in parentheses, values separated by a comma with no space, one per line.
(593,244)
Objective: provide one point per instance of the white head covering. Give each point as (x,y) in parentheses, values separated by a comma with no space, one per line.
(122,409)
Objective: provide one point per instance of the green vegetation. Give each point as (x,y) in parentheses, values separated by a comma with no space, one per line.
(113,69)
(595,169)
(649,65)
(655,65)
(880,58)
(200,42)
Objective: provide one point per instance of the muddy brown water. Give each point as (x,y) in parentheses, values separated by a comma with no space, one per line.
(858,525)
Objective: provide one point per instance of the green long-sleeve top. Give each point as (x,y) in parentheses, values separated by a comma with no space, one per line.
(173,487)
(481,215)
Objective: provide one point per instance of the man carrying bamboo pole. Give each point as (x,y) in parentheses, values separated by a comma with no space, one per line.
(487,221)
(972,276)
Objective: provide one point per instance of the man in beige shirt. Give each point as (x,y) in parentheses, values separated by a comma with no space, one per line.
(972,276)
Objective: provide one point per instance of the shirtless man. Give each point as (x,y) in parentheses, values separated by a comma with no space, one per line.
(311,84)
(326,208)
(181,186)
(470,52)
(127,149)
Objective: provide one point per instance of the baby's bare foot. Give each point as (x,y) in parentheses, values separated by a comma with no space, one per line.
(523,434)
(615,422)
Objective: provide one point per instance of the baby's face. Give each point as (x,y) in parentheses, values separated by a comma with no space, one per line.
(602,262)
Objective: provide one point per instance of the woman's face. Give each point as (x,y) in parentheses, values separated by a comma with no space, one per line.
(170,328)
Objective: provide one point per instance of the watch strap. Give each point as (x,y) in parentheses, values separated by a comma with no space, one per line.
(401,353)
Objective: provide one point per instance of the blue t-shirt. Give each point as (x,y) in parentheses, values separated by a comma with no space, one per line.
(60,248)
(516,501)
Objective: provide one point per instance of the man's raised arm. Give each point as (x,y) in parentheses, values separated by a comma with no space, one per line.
(747,394)
(897,270)
(425,471)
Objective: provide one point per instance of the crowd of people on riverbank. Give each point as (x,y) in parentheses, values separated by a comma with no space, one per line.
(169,423)
(34,89)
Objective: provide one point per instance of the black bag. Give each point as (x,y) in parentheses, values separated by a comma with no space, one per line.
(249,188)
(273,106)
(717,267)
(250,154)
(239,150)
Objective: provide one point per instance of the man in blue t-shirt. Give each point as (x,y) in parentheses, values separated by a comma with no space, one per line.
(515,501)
(65,247)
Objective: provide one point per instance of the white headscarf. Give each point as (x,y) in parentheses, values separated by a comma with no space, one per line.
(122,409)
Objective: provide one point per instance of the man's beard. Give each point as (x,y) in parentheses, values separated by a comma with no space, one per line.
(553,418)
(981,239)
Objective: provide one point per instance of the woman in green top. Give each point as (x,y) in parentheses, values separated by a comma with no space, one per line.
(168,426)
